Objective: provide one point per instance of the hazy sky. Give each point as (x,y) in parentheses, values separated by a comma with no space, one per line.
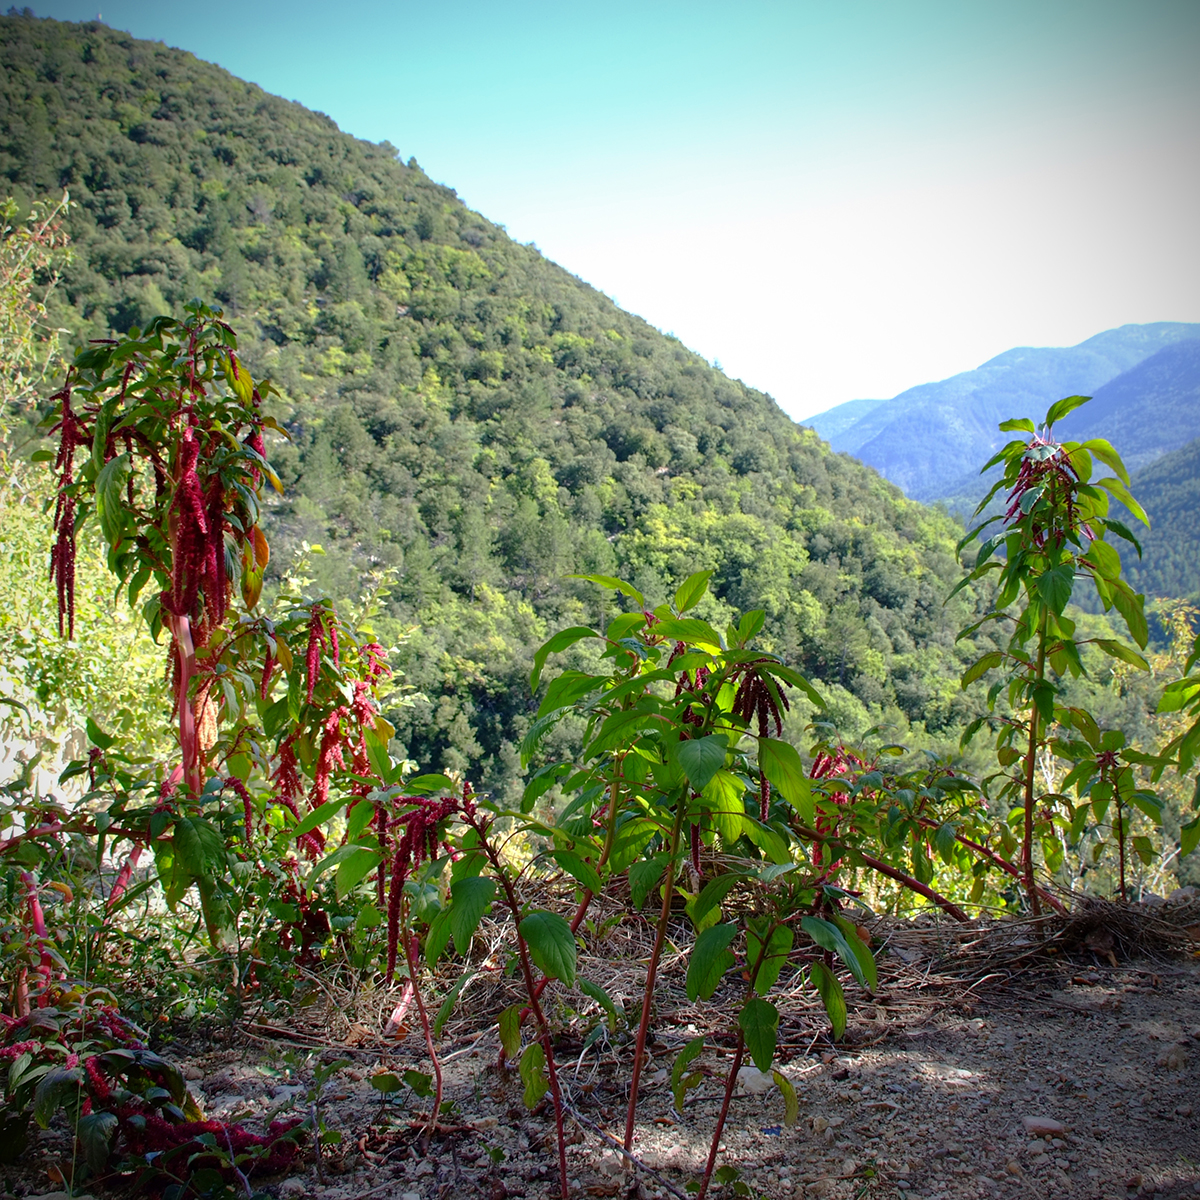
(833,199)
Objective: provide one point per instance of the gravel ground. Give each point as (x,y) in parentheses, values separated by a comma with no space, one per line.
(1071,1080)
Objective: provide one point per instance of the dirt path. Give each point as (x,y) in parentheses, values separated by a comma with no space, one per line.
(928,1101)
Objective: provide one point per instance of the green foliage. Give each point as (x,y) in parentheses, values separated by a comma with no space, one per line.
(1053,532)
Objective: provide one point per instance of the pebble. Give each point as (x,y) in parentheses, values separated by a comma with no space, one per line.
(292,1186)
(754,1082)
(1173,1059)
(610,1163)
(1013,1167)
(1043,1126)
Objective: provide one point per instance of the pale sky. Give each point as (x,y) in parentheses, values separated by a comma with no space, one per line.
(833,200)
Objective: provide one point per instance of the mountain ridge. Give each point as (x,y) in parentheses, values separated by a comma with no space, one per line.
(956,418)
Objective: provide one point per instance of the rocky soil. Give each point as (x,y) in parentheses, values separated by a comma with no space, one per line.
(1052,1079)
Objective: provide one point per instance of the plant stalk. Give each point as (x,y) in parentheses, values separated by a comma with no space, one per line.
(410,958)
(730,1084)
(514,907)
(660,935)
(1031,890)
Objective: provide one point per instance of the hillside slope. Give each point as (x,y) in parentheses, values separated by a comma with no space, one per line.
(1147,411)
(1169,490)
(466,415)
(924,438)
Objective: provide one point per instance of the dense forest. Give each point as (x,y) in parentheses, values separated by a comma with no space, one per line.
(1169,489)
(469,422)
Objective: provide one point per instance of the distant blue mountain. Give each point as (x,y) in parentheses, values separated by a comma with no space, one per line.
(835,421)
(932,439)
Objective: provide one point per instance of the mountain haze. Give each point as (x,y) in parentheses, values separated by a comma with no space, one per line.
(466,417)
(1143,378)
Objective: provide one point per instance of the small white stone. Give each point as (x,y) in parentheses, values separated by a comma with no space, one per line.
(754,1082)
(1043,1127)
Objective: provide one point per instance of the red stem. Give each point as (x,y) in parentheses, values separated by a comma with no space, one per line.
(38,920)
(730,1084)
(915,885)
(1002,863)
(514,907)
(660,935)
(416,993)
(123,877)
(181,631)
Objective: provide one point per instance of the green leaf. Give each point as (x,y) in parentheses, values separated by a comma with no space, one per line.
(791,1102)
(1106,558)
(110,496)
(386,1082)
(198,844)
(750,624)
(1055,585)
(551,944)
(595,992)
(558,643)
(711,895)
(95,1134)
(779,946)
(423,785)
(701,759)
(52,1091)
(1060,408)
(759,1020)
(617,585)
(1189,837)
(944,841)
(690,630)
(533,1074)
(97,736)
(567,688)
(709,961)
(469,898)
(830,937)
(320,815)
(420,1083)
(1145,849)
(630,841)
(643,875)
(579,870)
(722,800)
(353,869)
(1123,652)
(1104,451)
(781,764)
(1024,424)
(680,1083)
(443,1015)
(509,1022)
(1121,492)
(980,667)
(1131,606)
(832,997)
(859,949)
(768,839)
(690,591)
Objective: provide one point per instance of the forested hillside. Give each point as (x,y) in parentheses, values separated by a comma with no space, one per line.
(464,413)
(1169,490)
